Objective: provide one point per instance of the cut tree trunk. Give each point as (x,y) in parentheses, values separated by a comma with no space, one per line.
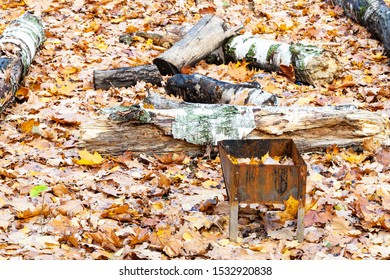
(18,45)
(126,76)
(374,15)
(197,88)
(304,63)
(198,43)
(185,127)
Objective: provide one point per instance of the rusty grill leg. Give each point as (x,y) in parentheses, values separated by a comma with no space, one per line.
(300,223)
(233,220)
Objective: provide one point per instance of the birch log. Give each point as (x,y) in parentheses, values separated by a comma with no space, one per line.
(305,63)
(176,127)
(18,45)
(374,15)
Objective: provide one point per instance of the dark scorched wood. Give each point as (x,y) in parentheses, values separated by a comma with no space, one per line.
(198,88)
(126,76)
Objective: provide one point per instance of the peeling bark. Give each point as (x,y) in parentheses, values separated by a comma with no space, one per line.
(18,45)
(177,127)
(305,63)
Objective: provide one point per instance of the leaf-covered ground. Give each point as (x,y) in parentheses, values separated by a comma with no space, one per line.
(148,207)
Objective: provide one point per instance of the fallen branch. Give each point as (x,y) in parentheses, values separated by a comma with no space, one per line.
(197,88)
(304,63)
(175,127)
(126,76)
(199,42)
(374,15)
(18,45)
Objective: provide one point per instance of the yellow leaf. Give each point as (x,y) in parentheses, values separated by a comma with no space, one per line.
(209,184)
(68,70)
(86,158)
(223,242)
(102,46)
(158,205)
(367,79)
(233,159)
(27,126)
(253,161)
(291,209)
(187,236)
(118,20)
(353,157)
(263,158)
(149,42)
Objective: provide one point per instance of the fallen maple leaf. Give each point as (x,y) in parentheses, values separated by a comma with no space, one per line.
(27,126)
(86,158)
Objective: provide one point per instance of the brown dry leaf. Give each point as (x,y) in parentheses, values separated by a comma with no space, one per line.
(195,246)
(108,240)
(37,211)
(282,234)
(121,213)
(70,208)
(207,205)
(60,190)
(66,119)
(340,223)
(8,173)
(163,181)
(311,218)
(5,218)
(173,247)
(207,10)
(288,71)
(22,94)
(161,237)
(141,235)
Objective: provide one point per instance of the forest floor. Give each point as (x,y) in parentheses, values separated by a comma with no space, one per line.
(174,206)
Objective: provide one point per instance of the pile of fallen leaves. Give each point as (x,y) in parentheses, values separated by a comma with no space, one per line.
(59,202)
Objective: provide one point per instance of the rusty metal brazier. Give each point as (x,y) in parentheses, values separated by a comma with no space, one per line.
(259,183)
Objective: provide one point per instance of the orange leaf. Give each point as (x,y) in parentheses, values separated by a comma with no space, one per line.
(27,126)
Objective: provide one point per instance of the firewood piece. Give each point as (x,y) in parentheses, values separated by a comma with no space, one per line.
(374,15)
(200,41)
(11,71)
(189,127)
(18,45)
(126,76)
(304,63)
(197,88)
